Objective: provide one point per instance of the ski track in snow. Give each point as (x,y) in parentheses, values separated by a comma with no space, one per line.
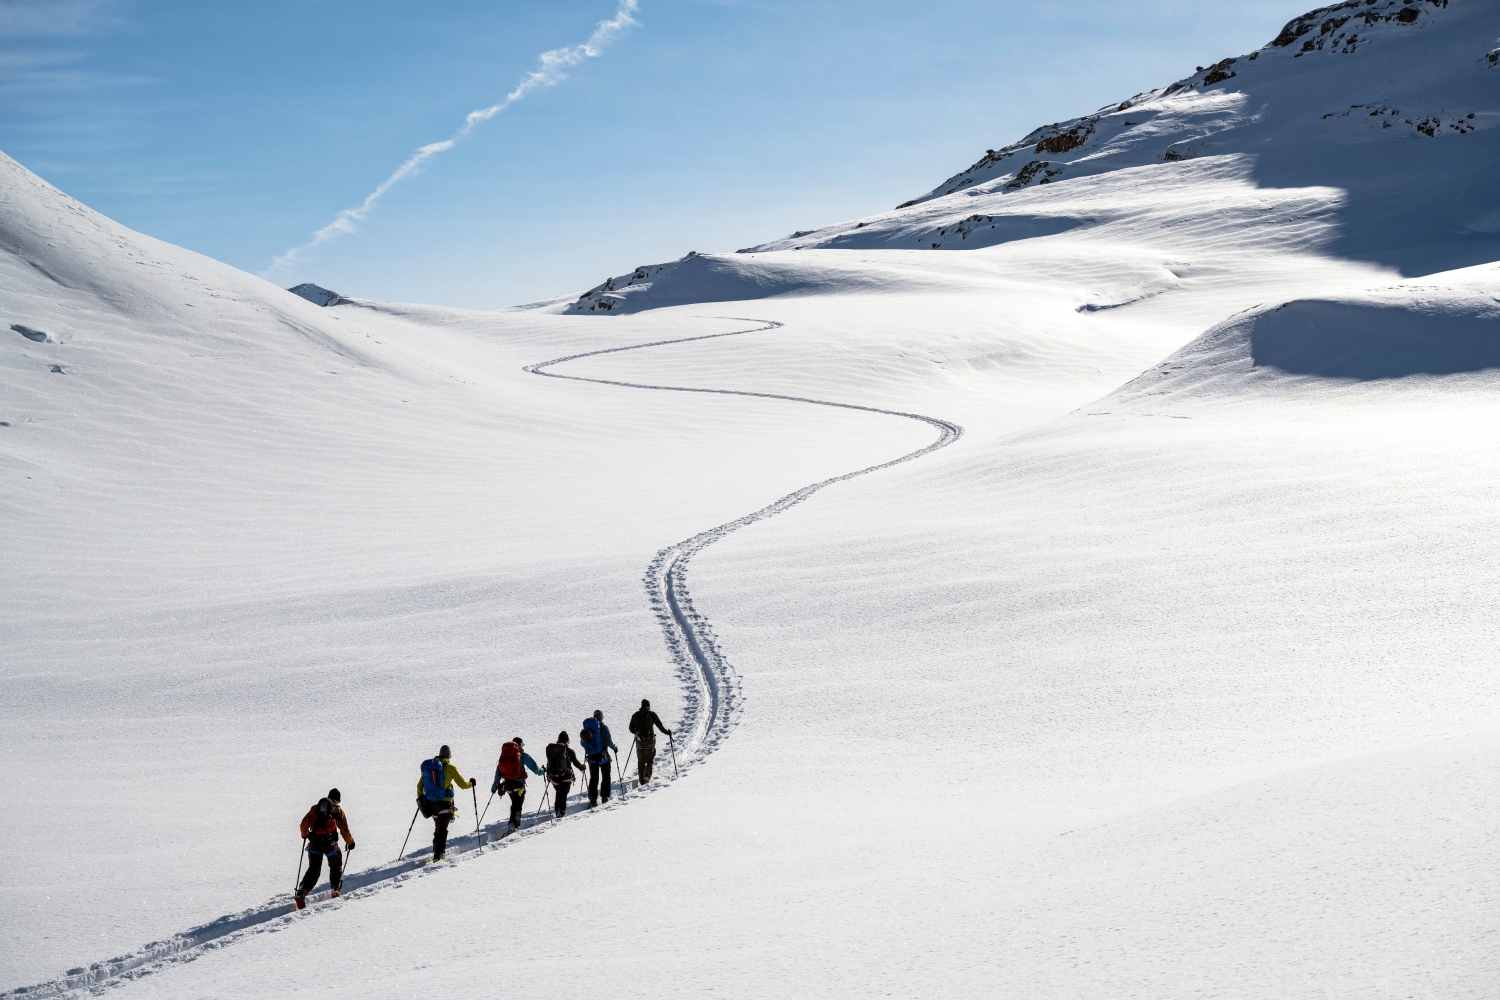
(713,702)
(713,689)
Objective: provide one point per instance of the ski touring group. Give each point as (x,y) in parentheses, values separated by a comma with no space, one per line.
(326,821)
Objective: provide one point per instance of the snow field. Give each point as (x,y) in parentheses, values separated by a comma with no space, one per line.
(1172,677)
(239,578)
(1077,629)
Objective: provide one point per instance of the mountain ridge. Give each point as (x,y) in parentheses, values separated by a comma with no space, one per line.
(1336,35)
(1390,102)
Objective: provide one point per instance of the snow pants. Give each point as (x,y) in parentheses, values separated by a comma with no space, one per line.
(596,770)
(645,754)
(560,791)
(440,832)
(315,868)
(516,789)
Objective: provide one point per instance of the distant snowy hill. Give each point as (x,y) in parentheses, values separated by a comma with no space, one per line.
(1394,103)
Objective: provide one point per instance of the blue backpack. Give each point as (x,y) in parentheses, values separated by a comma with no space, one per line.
(432,780)
(593,740)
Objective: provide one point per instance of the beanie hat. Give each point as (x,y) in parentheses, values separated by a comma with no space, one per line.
(334,796)
(445,753)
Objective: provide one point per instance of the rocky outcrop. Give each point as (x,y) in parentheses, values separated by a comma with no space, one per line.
(613,292)
(1336,28)
(317,294)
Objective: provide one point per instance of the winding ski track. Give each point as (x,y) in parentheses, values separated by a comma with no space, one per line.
(714,700)
(712,684)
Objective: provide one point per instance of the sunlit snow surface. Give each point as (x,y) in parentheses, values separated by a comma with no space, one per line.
(1173,677)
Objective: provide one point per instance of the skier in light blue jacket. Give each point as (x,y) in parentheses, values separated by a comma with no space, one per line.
(510,777)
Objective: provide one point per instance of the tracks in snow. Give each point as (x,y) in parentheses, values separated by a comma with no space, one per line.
(713,701)
(714,698)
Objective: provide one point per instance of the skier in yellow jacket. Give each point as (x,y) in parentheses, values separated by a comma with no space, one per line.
(435,797)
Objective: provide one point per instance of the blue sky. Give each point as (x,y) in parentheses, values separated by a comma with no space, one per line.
(238,130)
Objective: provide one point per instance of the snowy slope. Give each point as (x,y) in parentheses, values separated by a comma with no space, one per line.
(255,547)
(1173,676)
(1355,344)
(1393,105)
(1165,697)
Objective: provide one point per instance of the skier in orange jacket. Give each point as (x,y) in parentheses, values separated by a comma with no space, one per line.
(321,828)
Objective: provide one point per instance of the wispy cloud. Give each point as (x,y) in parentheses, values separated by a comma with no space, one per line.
(57,18)
(552,68)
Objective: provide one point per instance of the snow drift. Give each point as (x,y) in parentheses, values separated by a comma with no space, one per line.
(1445,324)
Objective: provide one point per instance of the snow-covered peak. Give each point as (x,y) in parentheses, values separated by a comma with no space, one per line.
(1388,107)
(1376,27)
(1393,101)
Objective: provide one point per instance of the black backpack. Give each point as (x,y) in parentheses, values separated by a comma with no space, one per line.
(325,823)
(558,768)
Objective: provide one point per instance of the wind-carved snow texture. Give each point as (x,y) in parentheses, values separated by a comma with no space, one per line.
(38,336)
(713,702)
(713,696)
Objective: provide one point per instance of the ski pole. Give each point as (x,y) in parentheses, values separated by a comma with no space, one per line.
(673,744)
(408,831)
(624,781)
(348,861)
(474,795)
(487,806)
(301,853)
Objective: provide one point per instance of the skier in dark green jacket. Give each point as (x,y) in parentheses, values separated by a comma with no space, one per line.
(644,725)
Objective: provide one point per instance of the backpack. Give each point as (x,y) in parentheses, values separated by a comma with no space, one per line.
(591,739)
(509,766)
(324,824)
(558,768)
(432,779)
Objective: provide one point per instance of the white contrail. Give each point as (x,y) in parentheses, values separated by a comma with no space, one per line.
(551,69)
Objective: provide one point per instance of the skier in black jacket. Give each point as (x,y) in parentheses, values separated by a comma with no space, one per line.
(560,763)
(643,725)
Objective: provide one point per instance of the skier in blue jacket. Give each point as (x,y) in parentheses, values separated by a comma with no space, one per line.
(596,747)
